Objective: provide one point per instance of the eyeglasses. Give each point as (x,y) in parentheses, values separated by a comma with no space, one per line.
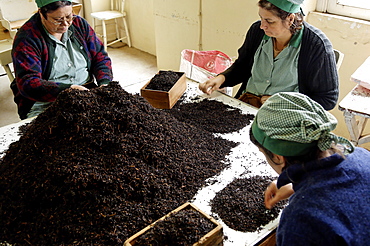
(68,19)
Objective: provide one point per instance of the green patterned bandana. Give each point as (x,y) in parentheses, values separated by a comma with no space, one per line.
(291,124)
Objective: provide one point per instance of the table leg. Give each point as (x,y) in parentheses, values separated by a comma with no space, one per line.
(361,125)
(352,127)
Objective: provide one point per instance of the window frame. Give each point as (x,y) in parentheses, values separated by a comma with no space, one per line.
(332,7)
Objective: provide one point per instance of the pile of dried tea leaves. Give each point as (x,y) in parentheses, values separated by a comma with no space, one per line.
(212,116)
(98,166)
(163,81)
(241,206)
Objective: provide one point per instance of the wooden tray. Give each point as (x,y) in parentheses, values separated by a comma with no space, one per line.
(212,238)
(165,99)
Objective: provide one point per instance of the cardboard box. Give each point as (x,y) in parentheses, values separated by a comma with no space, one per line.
(165,99)
(213,238)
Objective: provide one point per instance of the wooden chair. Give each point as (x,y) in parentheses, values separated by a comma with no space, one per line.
(339,56)
(106,18)
(76,8)
(6,57)
(14,13)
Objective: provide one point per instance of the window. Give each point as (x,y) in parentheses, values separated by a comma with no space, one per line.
(351,8)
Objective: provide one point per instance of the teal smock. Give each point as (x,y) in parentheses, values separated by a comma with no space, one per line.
(69,67)
(280,74)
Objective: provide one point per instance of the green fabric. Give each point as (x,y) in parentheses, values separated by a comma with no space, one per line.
(69,64)
(291,124)
(42,3)
(271,75)
(279,146)
(290,6)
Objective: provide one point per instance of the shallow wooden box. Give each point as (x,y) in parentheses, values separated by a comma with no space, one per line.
(213,238)
(165,99)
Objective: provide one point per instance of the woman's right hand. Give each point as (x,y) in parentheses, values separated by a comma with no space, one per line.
(274,195)
(212,84)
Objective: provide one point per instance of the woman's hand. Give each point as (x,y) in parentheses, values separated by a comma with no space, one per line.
(274,195)
(212,84)
(79,87)
(264,98)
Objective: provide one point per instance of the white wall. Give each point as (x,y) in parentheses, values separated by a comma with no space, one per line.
(225,24)
(200,25)
(141,24)
(176,28)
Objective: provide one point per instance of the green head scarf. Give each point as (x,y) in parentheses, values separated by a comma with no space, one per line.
(42,3)
(291,124)
(290,6)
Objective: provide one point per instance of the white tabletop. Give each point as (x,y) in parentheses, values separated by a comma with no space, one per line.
(362,74)
(357,101)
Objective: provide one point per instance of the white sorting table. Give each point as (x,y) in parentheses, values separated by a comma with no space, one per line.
(357,103)
(245,157)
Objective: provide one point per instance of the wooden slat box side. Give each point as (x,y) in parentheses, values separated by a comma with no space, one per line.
(165,99)
(212,238)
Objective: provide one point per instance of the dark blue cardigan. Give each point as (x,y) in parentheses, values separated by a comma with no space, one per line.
(330,205)
(317,73)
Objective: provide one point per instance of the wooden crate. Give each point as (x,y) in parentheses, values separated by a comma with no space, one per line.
(165,99)
(213,238)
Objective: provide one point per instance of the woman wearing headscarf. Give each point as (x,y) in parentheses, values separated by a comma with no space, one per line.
(281,53)
(327,179)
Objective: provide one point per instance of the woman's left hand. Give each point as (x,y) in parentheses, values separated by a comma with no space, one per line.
(79,87)
(264,98)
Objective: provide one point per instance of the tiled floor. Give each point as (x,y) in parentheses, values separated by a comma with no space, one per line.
(129,66)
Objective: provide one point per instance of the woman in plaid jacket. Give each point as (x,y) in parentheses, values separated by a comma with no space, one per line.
(55,50)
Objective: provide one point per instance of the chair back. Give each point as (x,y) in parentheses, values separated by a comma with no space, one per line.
(338,58)
(13,13)
(14,10)
(118,5)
